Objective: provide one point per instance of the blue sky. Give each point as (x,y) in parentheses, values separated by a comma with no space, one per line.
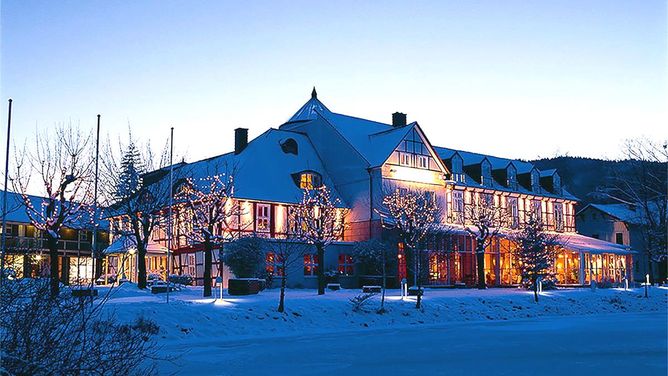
(517,79)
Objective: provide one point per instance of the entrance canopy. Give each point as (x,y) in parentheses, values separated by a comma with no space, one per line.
(583,243)
(128,244)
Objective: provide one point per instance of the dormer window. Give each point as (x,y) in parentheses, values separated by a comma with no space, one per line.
(556,183)
(457,169)
(535,180)
(511,177)
(309,180)
(486,173)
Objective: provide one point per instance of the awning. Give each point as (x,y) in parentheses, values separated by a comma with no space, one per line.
(128,244)
(591,245)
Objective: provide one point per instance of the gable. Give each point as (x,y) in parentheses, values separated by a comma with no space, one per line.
(414,159)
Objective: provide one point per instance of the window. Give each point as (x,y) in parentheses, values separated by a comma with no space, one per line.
(262,217)
(412,152)
(430,197)
(511,181)
(346,264)
(536,209)
(310,265)
(458,206)
(274,265)
(619,238)
(514,212)
(423,161)
(83,236)
(309,180)
(190,267)
(405,159)
(486,172)
(559,216)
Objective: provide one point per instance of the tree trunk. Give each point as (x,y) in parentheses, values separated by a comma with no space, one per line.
(208,261)
(321,269)
(382,297)
(53,263)
(535,288)
(480,264)
(418,279)
(281,301)
(141,265)
(27,266)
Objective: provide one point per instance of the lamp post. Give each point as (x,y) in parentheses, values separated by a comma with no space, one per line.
(4,198)
(169,218)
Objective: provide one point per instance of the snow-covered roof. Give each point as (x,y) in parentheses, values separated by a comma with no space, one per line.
(128,243)
(623,212)
(522,167)
(310,110)
(263,171)
(470,158)
(586,244)
(16,212)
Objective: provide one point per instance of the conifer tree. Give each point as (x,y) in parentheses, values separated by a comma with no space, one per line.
(535,250)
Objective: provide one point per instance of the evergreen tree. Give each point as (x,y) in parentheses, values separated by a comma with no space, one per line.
(129,180)
(535,250)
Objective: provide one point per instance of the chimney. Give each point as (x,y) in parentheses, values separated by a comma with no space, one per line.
(240,139)
(398,119)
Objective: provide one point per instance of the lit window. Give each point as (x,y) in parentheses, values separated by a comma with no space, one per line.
(262,217)
(405,159)
(190,267)
(423,161)
(309,180)
(310,265)
(559,216)
(274,265)
(345,264)
(458,206)
(514,212)
(537,209)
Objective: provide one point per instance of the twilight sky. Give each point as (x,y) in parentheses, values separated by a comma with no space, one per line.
(517,79)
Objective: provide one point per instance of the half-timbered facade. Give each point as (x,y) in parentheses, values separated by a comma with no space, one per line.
(361,160)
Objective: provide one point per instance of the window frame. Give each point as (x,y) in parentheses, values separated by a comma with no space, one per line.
(265,220)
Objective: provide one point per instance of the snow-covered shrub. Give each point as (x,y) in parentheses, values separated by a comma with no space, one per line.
(154,277)
(360,301)
(181,279)
(44,335)
(245,257)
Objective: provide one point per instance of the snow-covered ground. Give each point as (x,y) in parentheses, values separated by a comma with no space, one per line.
(457,331)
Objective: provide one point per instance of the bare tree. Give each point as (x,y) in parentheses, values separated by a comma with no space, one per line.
(414,214)
(63,335)
(137,190)
(283,255)
(644,186)
(61,161)
(376,255)
(535,250)
(320,221)
(210,205)
(483,219)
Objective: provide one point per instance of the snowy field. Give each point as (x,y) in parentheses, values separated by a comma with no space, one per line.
(498,331)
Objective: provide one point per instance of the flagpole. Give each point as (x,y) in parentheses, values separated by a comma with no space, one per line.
(4,198)
(95,214)
(169,218)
